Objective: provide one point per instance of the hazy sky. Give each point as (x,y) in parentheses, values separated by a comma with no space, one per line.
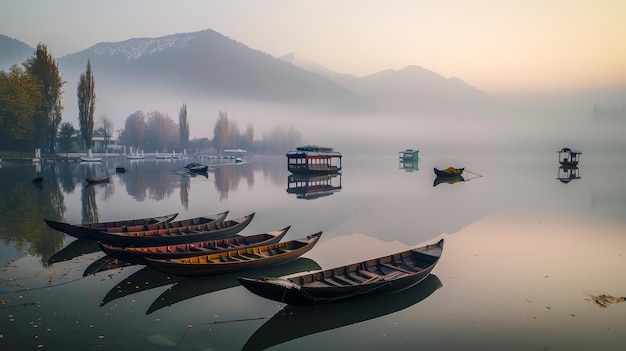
(494,45)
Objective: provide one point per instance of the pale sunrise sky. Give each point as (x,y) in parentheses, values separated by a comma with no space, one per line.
(497,46)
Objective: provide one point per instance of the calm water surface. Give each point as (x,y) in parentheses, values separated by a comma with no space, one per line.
(525,255)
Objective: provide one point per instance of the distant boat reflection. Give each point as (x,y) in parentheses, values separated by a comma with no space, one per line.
(448,180)
(293,322)
(567,173)
(409,165)
(195,286)
(310,187)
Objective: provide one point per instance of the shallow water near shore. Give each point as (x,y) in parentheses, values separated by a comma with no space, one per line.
(530,261)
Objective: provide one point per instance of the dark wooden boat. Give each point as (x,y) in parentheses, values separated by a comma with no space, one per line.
(196,167)
(170,236)
(195,248)
(96,180)
(383,275)
(75,231)
(237,260)
(171,224)
(449,172)
(293,322)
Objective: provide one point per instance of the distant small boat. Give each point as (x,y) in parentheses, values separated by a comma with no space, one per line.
(196,167)
(135,157)
(37,179)
(90,159)
(569,157)
(120,169)
(382,275)
(449,172)
(237,260)
(95,180)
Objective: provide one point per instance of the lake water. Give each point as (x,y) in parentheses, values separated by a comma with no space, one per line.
(525,256)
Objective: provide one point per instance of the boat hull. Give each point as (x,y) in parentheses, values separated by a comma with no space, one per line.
(384,275)
(170,236)
(194,249)
(238,260)
(75,231)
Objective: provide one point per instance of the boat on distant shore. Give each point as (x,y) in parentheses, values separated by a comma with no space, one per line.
(90,159)
(313,159)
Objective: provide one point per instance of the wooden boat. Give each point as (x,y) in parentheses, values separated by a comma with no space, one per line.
(313,159)
(90,159)
(449,172)
(74,229)
(169,236)
(196,248)
(95,180)
(196,167)
(383,275)
(237,260)
(170,224)
(293,322)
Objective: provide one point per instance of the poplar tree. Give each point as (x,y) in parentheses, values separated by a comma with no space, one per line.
(183,127)
(45,68)
(86,93)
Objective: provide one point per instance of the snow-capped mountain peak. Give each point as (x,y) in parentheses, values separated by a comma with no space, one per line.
(134,49)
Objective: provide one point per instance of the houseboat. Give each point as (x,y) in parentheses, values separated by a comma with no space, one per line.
(313,159)
(568,157)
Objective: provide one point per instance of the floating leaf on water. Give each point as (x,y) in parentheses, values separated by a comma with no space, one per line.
(603,300)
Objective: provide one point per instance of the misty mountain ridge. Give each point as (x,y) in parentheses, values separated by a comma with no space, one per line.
(13,52)
(212,71)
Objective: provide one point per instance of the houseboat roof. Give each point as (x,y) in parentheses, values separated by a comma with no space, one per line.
(315,150)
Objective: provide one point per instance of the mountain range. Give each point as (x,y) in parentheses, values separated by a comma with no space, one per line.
(209,64)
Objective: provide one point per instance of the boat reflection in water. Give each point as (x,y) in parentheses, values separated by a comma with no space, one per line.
(409,165)
(144,279)
(190,287)
(74,249)
(567,173)
(309,187)
(294,322)
(448,180)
